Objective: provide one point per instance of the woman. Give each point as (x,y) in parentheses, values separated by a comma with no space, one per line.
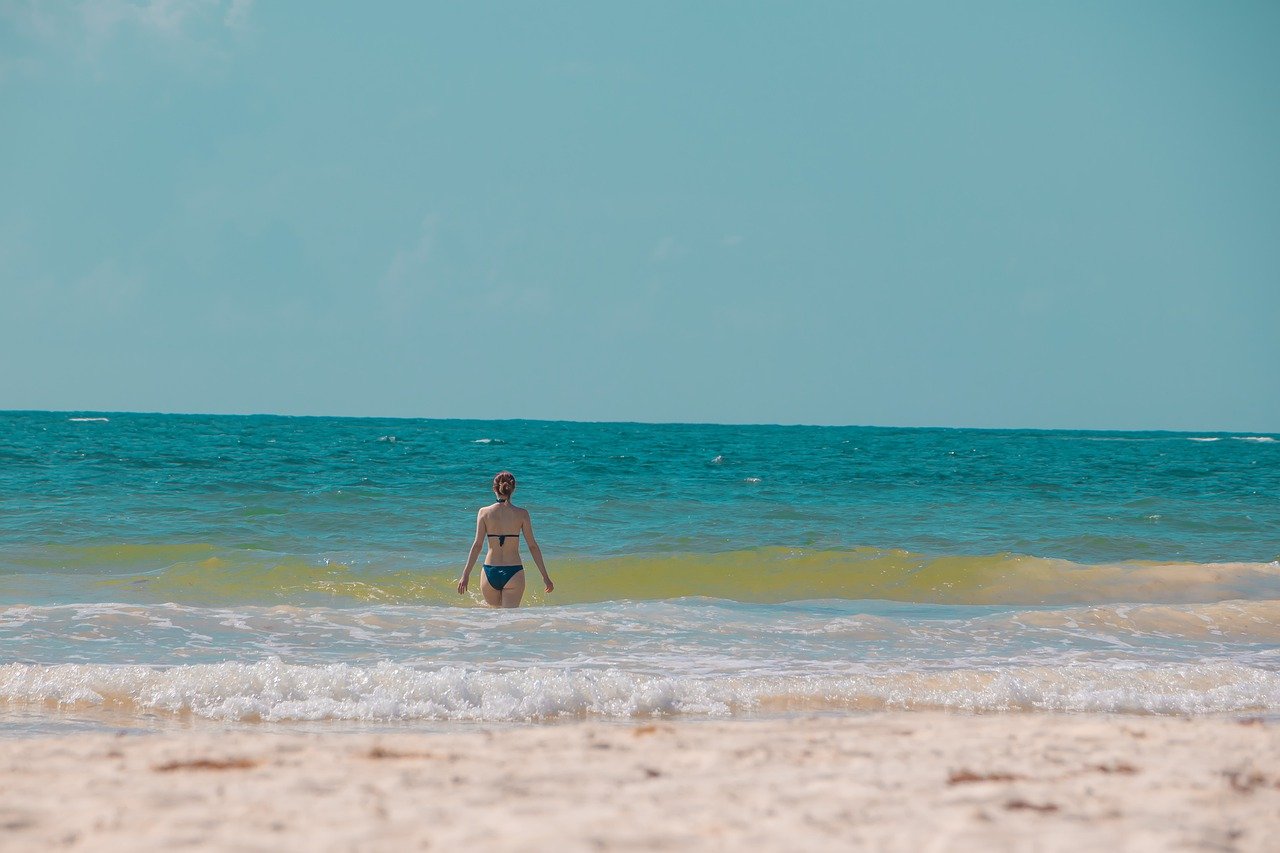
(501,524)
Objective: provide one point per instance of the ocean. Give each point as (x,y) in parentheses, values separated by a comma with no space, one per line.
(188,570)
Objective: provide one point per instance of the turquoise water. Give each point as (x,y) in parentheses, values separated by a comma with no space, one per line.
(284,569)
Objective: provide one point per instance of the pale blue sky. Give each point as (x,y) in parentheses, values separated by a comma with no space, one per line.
(958,214)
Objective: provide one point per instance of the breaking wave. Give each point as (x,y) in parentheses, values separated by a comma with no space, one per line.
(271,690)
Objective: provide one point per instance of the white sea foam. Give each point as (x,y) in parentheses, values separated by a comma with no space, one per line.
(390,439)
(271,690)
(1207,438)
(88,420)
(488,441)
(1260,439)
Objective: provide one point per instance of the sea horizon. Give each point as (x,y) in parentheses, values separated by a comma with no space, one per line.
(657,423)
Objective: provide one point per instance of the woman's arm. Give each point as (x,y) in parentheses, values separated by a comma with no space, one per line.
(475,552)
(536,552)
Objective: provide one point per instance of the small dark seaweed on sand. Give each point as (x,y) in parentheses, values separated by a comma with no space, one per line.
(1023,805)
(207,764)
(383,752)
(1116,767)
(960,777)
(1245,783)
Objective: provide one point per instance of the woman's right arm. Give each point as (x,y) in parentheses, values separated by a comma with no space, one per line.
(536,552)
(475,552)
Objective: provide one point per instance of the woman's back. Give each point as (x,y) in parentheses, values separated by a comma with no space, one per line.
(503,523)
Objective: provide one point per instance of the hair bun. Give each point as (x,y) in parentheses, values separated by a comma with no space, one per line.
(504,483)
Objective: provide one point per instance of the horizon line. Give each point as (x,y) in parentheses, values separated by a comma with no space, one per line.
(625,422)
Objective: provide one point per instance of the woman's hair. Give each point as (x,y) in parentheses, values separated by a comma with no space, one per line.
(504,483)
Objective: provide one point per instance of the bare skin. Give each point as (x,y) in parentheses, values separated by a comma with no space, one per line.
(503,518)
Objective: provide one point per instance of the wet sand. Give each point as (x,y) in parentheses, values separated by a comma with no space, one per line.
(893,781)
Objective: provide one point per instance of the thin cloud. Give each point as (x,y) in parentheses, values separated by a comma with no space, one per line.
(408,274)
(165,19)
(237,16)
(108,289)
(88,27)
(667,249)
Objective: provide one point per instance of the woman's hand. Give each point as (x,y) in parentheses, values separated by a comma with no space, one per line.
(462,585)
(546,580)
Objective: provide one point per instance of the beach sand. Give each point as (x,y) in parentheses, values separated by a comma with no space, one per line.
(891,781)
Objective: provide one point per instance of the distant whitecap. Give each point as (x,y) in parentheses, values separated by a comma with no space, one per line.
(390,439)
(488,441)
(1204,439)
(751,480)
(719,460)
(1260,439)
(88,420)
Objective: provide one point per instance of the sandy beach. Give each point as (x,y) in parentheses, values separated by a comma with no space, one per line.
(895,781)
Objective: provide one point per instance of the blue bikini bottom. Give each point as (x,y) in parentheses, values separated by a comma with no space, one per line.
(499,575)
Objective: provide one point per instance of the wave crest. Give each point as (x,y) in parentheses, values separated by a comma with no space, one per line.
(271,690)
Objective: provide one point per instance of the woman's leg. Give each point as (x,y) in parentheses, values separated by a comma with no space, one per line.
(492,597)
(512,592)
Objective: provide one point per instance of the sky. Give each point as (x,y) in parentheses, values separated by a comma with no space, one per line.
(913,214)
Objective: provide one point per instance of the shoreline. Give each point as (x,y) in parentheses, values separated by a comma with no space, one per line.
(902,780)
